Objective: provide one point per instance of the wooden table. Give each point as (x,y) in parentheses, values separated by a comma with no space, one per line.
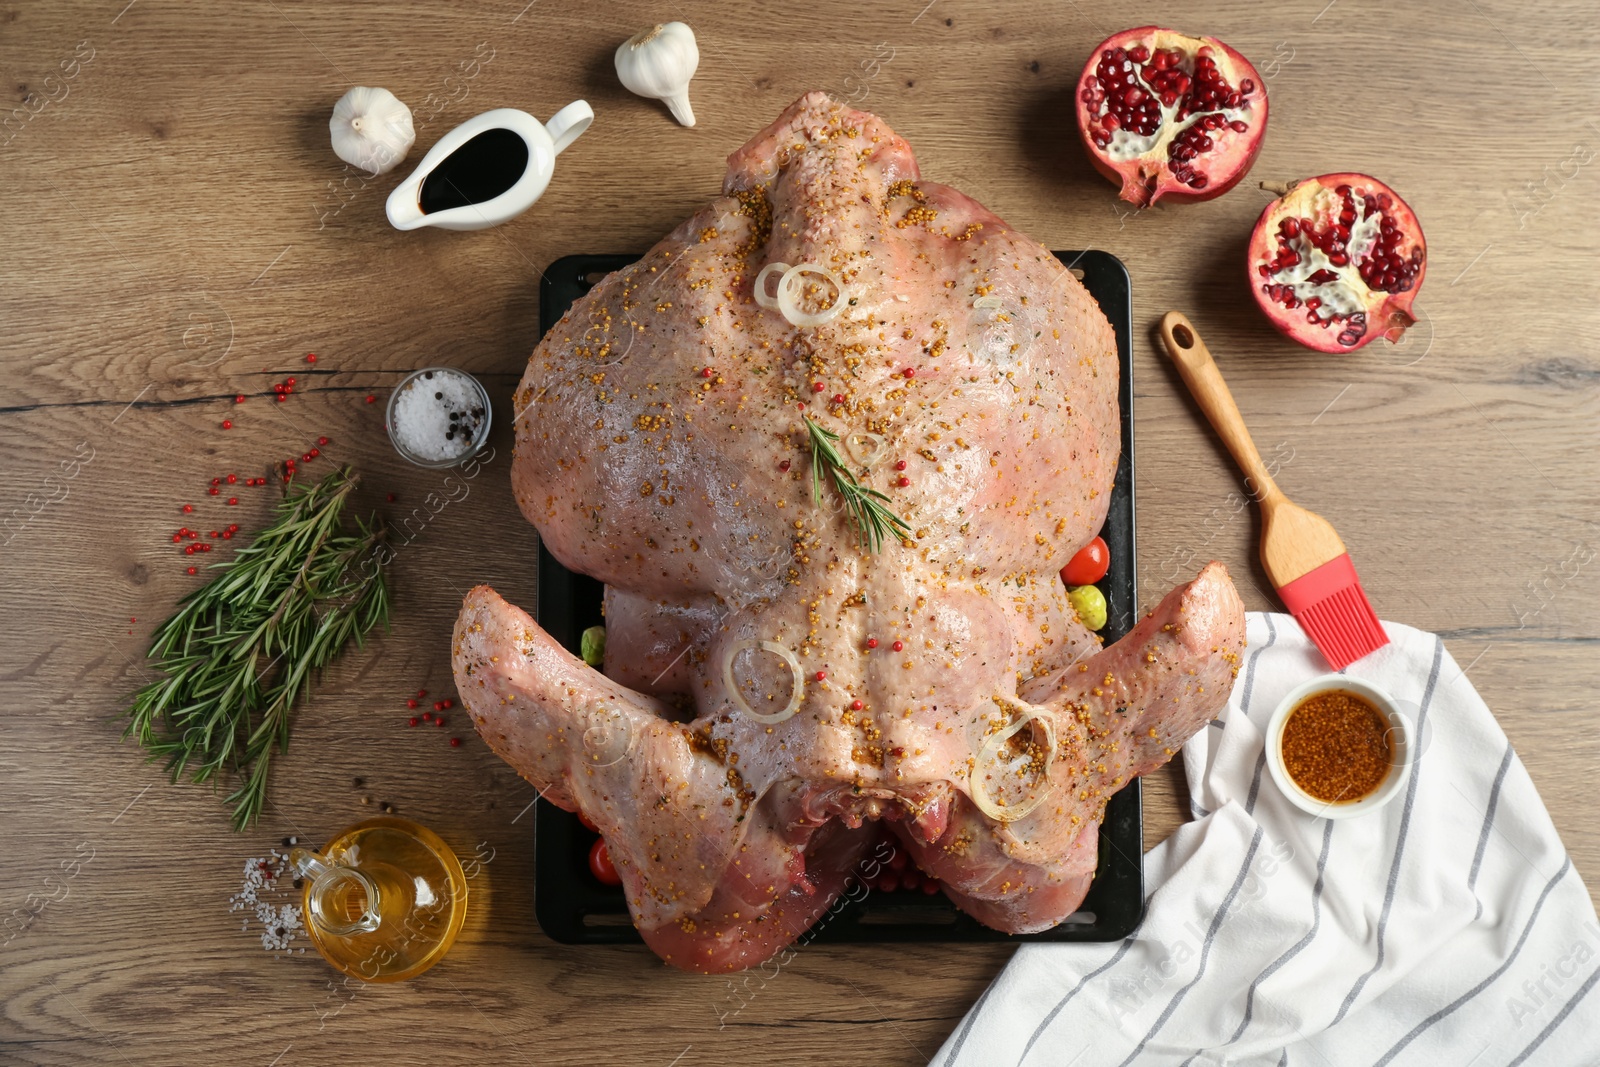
(178,232)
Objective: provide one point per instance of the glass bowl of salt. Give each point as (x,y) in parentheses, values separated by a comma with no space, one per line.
(438,417)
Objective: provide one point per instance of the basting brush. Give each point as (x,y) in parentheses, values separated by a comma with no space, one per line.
(1300,550)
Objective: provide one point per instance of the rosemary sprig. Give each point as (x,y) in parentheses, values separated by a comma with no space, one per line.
(242,648)
(867,508)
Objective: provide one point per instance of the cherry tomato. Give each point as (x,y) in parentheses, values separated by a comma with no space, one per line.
(1089,565)
(600,864)
(587,825)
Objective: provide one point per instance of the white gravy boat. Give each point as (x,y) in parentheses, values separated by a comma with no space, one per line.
(544,141)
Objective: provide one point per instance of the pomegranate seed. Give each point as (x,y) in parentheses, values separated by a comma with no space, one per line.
(1238,126)
(391,498)
(422,692)
(194,570)
(233,500)
(438,720)
(898,646)
(411,703)
(232,479)
(455,742)
(239,399)
(856,705)
(705,372)
(784,466)
(187,508)
(817,387)
(322,440)
(903,482)
(311,357)
(872,642)
(448,703)
(910,372)
(1139,53)
(227,535)
(289,382)
(371,399)
(282,397)
(188,550)
(227,424)
(427,716)
(438,705)
(838,398)
(214,491)
(822,676)
(177,537)
(413,720)
(900,465)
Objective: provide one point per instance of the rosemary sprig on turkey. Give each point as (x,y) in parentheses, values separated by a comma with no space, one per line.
(242,648)
(867,508)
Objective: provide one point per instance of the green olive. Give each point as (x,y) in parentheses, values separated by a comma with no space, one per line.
(592,645)
(1090,604)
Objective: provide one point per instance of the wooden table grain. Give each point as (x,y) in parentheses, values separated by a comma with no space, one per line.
(177,232)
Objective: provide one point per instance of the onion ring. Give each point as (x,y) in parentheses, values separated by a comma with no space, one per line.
(798,690)
(877,453)
(789,288)
(764,298)
(986,753)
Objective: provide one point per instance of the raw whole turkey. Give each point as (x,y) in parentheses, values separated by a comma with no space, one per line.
(779,689)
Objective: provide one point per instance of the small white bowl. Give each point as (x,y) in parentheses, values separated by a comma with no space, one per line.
(1402,747)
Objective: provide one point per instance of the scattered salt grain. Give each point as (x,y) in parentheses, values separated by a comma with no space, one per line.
(436,415)
(269,877)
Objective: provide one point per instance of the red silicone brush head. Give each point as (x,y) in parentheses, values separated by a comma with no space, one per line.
(1331,608)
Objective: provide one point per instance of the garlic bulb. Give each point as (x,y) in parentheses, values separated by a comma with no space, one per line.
(658,63)
(371,129)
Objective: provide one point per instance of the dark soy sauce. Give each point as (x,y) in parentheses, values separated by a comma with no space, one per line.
(478,171)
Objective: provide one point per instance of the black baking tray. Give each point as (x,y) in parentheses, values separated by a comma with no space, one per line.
(574,908)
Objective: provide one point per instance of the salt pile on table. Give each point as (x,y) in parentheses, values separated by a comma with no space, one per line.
(436,416)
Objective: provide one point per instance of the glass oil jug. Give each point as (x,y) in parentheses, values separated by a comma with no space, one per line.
(384,901)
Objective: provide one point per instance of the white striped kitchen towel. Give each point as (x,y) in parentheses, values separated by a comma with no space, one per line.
(1447,928)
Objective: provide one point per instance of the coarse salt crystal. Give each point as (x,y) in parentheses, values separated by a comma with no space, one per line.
(420,419)
(280,922)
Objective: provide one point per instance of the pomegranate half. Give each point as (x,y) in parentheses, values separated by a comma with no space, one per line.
(1336,261)
(1167,115)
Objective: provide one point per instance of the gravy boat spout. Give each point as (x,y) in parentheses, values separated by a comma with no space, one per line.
(404,206)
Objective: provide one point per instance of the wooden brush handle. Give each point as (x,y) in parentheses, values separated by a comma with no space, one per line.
(1200,374)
